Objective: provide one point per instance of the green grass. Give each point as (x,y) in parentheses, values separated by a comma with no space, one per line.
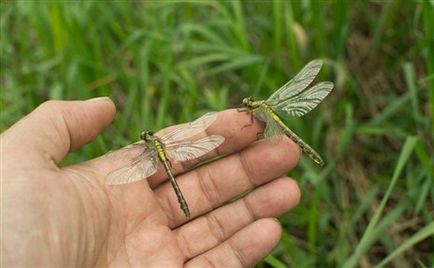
(169,62)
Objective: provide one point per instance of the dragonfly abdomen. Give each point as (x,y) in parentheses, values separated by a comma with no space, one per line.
(303,146)
(181,200)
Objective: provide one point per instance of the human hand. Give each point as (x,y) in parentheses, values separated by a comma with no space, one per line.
(68,216)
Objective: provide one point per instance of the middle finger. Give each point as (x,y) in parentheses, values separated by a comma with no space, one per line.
(270,200)
(211,185)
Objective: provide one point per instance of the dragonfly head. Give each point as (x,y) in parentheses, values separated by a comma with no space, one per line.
(146,135)
(247,102)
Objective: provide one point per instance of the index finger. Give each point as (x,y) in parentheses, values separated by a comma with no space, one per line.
(237,127)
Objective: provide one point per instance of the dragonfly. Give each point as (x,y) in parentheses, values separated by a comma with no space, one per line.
(295,100)
(177,145)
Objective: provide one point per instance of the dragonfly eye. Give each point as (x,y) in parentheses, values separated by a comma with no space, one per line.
(143,135)
(247,101)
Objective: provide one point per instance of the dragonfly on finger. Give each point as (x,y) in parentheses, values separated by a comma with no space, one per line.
(293,99)
(175,146)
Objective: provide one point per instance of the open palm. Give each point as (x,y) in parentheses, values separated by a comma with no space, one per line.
(70,217)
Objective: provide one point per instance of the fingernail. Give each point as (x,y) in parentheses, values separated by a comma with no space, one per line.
(99,98)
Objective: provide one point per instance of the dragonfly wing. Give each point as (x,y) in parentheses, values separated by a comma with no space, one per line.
(140,167)
(272,129)
(296,84)
(184,131)
(306,101)
(129,152)
(192,150)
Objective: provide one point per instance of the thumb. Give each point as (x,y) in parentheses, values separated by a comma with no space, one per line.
(56,128)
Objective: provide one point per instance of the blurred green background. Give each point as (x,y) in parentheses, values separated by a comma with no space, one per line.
(165,62)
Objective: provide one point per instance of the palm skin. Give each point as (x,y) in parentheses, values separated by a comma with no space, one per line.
(69,217)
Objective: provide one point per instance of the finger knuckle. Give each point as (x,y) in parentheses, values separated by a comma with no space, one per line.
(216,227)
(51,105)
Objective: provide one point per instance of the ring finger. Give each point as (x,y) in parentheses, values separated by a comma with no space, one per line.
(214,228)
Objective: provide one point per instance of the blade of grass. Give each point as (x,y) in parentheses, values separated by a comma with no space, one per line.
(379,230)
(165,96)
(294,55)
(411,85)
(205,59)
(347,134)
(274,262)
(428,17)
(260,82)
(239,26)
(428,167)
(423,193)
(313,221)
(217,5)
(364,205)
(382,130)
(146,91)
(277,28)
(296,256)
(367,237)
(237,63)
(342,12)
(318,11)
(391,109)
(420,235)
(388,13)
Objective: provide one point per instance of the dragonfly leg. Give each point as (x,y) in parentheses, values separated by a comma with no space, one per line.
(260,135)
(241,108)
(251,121)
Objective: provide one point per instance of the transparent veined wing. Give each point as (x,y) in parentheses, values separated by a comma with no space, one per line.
(184,131)
(127,153)
(272,129)
(304,102)
(191,150)
(139,163)
(297,84)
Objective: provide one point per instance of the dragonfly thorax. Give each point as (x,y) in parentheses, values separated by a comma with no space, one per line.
(251,104)
(146,135)
(247,101)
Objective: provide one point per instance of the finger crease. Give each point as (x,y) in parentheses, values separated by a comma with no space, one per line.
(209,262)
(246,167)
(171,207)
(216,227)
(249,209)
(68,131)
(208,187)
(185,246)
(237,255)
